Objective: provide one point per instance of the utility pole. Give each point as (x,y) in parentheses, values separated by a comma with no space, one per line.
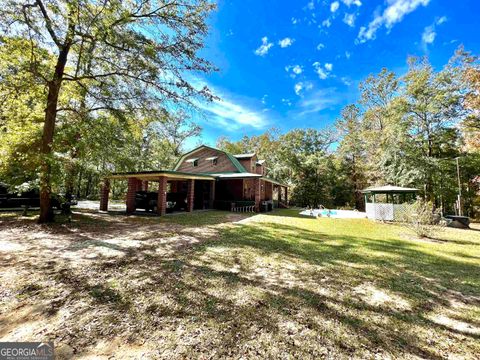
(459,189)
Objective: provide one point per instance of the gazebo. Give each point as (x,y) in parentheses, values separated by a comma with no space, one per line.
(387,203)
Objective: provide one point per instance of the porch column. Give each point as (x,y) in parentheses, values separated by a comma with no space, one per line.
(211,202)
(286,196)
(162,196)
(131,190)
(145,185)
(279,195)
(190,194)
(256,187)
(104,191)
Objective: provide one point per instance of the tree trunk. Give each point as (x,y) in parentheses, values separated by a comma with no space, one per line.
(46,211)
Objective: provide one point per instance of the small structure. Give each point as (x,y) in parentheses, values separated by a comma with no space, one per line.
(387,203)
(204,178)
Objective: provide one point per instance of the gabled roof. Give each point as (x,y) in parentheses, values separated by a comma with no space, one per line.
(234,161)
(260,162)
(244,156)
(388,189)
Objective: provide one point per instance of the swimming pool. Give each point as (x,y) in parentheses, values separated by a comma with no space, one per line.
(340,214)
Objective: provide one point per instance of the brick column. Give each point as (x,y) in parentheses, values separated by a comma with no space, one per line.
(145,185)
(211,202)
(173,186)
(132,188)
(190,194)
(286,196)
(162,196)
(256,187)
(279,194)
(104,191)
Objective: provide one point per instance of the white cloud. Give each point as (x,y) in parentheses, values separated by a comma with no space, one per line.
(297,69)
(263,49)
(228,114)
(295,21)
(311,5)
(349,19)
(320,46)
(441,20)
(392,14)
(300,86)
(346,81)
(352,2)
(326,23)
(429,33)
(347,54)
(334,6)
(286,42)
(287,102)
(322,72)
(319,100)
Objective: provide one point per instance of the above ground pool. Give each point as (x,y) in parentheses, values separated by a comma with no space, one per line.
(345,214)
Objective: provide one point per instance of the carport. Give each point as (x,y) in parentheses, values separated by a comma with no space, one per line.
(200,189)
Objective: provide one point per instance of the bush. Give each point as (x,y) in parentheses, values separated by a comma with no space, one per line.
(421,218)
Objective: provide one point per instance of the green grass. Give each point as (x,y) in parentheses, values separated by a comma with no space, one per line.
(278,286)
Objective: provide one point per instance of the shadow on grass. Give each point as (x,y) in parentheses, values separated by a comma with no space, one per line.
(198,291)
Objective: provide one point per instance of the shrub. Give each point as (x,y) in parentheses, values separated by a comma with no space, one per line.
(421,218)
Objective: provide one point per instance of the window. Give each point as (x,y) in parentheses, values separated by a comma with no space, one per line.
(214,161)
(195,163)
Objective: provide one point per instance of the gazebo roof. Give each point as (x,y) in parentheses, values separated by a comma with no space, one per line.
(388,189)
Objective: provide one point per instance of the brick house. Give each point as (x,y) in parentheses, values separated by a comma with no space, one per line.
(205,178)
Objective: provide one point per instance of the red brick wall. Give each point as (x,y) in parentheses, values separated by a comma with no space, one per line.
(132,188)
(162,196)
(104,191)
(224,164)
(190,194)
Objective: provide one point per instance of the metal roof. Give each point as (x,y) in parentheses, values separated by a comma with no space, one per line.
(388,189)
(244,156)
(234,161)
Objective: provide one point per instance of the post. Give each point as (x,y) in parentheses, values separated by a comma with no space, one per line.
(460,212)
(286,196)
(256,187)
(190,194)
(131,190)
(162,196)
(145,185)
(211,202)
(104,191)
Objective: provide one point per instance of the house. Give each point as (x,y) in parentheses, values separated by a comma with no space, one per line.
(205,178)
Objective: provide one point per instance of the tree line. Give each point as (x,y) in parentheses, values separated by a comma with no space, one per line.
(405,130)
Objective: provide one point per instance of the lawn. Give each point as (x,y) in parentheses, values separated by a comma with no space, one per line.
(222,285)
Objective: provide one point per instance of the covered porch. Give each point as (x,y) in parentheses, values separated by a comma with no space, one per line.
(162,191)
(235,191)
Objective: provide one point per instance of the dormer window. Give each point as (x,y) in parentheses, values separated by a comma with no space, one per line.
(213,159)
(193,161)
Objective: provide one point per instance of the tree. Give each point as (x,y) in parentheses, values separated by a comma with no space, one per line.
(139,52)
(433,107)
(352,151)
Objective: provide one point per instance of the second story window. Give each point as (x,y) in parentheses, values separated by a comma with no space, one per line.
(214,161)
(195,163)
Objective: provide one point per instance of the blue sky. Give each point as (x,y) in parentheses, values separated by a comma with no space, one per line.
(296,64)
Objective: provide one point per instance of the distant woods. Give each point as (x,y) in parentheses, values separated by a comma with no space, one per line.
(405,131)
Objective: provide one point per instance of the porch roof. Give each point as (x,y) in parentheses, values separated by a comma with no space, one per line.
(388,189)
(153,175)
